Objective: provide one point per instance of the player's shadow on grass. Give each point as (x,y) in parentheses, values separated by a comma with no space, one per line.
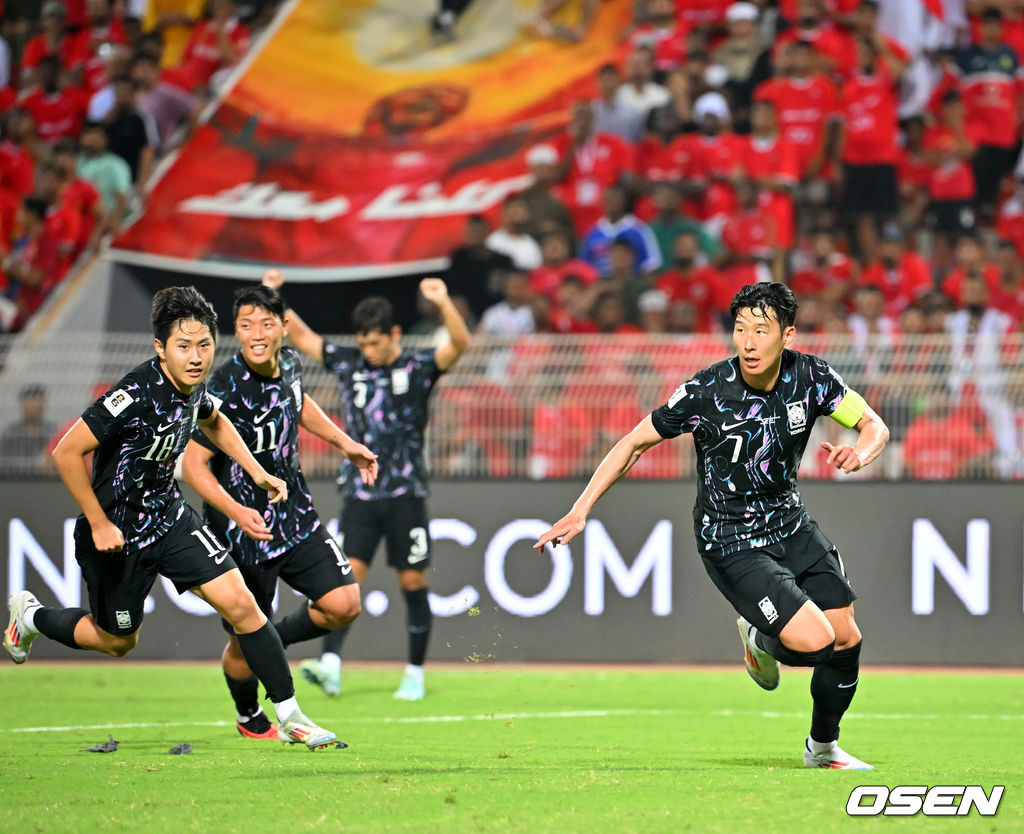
(761,763)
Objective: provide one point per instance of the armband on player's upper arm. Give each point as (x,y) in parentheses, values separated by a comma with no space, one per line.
(850,409)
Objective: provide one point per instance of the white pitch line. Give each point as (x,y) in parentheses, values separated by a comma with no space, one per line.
(514,716)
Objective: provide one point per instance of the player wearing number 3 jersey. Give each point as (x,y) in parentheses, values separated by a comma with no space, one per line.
(385,390)
(260,390)
(750,417)
(135,524)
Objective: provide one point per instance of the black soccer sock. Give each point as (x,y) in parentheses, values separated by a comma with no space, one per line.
(833,685)
(245,693)
(334,639)
(59,624)
(298,626)
(264,653)
(417,621)
(775,647)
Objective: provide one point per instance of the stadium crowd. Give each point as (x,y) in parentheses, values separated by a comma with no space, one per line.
(91,93)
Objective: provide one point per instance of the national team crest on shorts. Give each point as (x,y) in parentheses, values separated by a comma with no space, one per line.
(123,618)
(769,610)
(797,417)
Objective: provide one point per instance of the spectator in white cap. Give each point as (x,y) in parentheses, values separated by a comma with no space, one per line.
(653,308)
(546,212)
(718,155)
(744,54)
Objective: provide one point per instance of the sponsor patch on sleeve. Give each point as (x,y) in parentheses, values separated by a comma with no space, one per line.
(117,401)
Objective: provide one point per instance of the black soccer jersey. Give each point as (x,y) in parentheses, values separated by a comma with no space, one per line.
(385,408)
(143,423)
(749,444)
(266,412)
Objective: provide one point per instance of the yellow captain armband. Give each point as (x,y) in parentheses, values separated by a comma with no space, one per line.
(850,409)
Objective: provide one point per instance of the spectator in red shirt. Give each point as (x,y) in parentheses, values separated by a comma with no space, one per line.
(827,273)
(971,264)
(571,313)
(558,263)
(664,155)
(63,218)
(808,108)
(869,148)
(717,159)
(864,24)
(33,267)
(589,163)
(751,247)
(19,146)
(215,46)
(1008,294)
(57,111)
(689,280)
(949,147)
(771,162)
(54,39)
(913,172)
(989,79)
(901,275)
(831,45)
(93,41)
(80,195)
(943,443)
(662,33)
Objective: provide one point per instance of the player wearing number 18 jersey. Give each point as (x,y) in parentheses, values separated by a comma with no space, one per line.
(750,417)
(385,390)
(135,524)
(260,390)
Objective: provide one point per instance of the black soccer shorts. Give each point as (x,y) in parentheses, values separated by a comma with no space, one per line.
(188,554)
(402,522)
(314,567)
(768,586)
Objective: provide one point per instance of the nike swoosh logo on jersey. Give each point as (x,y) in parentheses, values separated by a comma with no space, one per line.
(261,417)
(414,559)
(847,685)
(223,556)
(168,427)
(727,426)
(346,570)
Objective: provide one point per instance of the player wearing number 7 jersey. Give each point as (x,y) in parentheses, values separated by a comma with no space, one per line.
(750,417)
(135,524)
(260,390)
(385,391)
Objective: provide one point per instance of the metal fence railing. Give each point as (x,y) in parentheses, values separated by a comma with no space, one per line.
(550,406)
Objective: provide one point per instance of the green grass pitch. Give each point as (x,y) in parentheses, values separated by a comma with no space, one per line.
(494,748)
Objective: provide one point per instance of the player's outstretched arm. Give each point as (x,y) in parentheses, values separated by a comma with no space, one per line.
(302,336)
(69,456)
(315,420)
(615,464)
(195,468)
(873,435)
(436,292)
(225,437)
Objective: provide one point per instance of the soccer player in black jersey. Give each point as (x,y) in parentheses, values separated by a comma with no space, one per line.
(260,390)
(385,391)
(750,417)
(135,524)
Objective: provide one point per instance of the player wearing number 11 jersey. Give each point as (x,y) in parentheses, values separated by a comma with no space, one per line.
(750,417)
(135,524)
(260,390)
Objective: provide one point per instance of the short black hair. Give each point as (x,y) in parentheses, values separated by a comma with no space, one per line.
(764,297)
(31,391)
(174,304)
(34,206)
(991,14)
(265,298)
(373,313)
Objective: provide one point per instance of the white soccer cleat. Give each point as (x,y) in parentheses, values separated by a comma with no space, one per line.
(329,680)
(297,729)
(761,666)
(834,758)
(410,689)
(18,635)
